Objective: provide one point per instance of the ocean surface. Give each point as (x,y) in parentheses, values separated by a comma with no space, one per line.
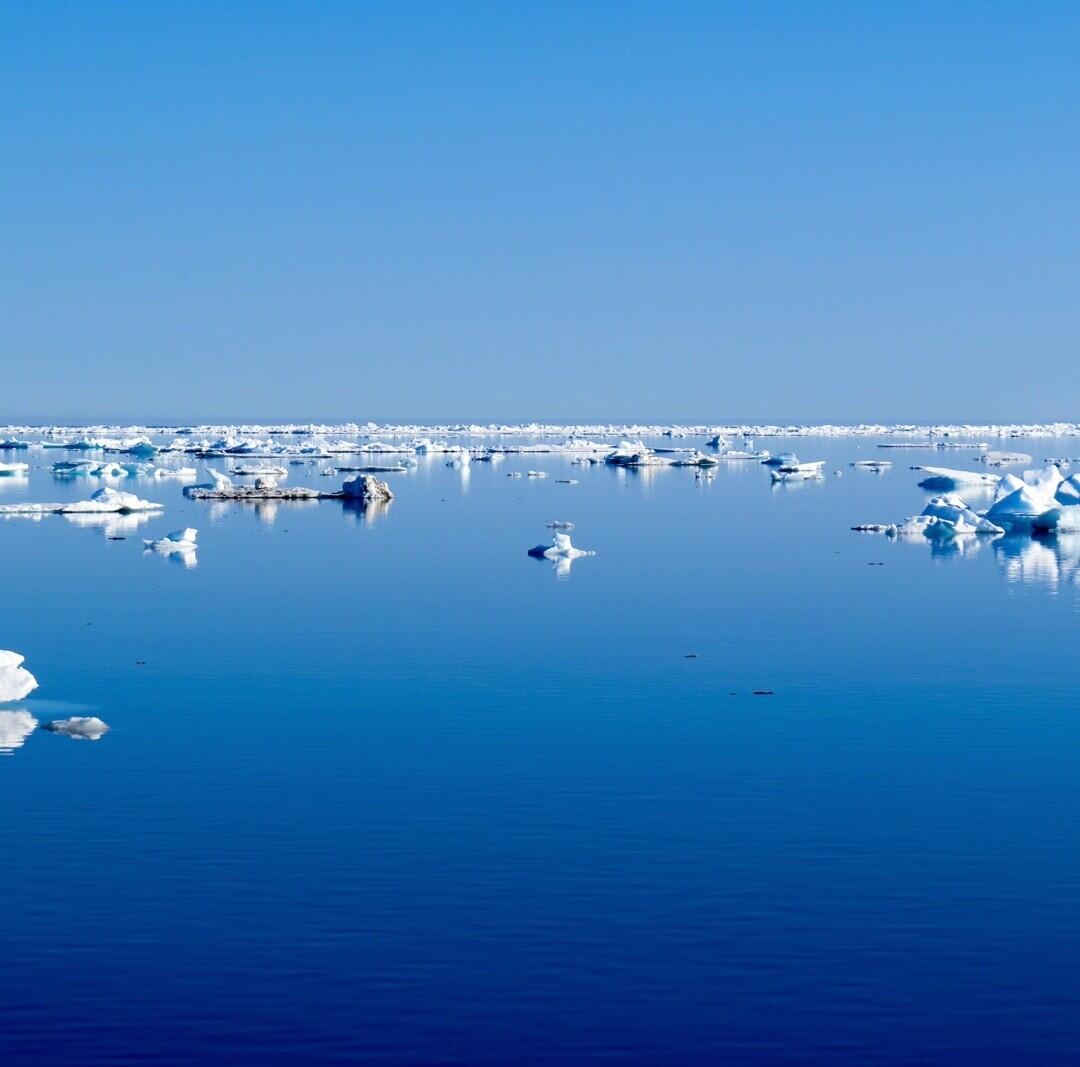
(743,787)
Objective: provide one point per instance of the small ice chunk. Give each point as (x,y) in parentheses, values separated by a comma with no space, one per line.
(560,548)
(81,727)
(177,541)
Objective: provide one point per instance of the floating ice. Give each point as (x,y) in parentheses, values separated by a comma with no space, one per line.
(634,454)
(13,470)
(946,478)
(104,501)
(177,541)
(80,727)
(367,489)
(781,459)
(109,499)
(1001,459)
(1019,509)
(944,518)
(15,680)
(259,470)
(560,551)
(798,472)
(179,473)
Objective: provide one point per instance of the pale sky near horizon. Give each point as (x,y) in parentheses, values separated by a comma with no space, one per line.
(560,211)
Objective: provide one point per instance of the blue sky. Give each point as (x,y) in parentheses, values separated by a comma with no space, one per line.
(554,211)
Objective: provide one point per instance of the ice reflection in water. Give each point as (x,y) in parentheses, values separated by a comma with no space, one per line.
(15,728)
(1050,561)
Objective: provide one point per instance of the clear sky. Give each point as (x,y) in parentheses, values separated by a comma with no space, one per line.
(481,211)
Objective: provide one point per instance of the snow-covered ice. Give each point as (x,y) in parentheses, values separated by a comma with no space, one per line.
(16,681)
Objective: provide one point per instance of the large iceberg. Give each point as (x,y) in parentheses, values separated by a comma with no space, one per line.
(16,681)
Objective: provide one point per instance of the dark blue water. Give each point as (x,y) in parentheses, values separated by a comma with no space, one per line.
(387,790)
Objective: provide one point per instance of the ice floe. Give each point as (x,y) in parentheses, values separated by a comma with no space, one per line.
(798,472)
(366,489)
(561,551)
(178,543)
(946,478)
(107,500)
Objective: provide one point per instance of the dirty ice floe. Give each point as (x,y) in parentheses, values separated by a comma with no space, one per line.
(15,680)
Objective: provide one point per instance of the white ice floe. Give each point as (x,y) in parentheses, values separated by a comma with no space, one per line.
(104,501)
(634,454)
(15,728)
(179,473)
(944,518)
(696,458)
(948,516)
(15,680)
(177,541)
(876,465)
(561,552)
(1002,459)
(13,470)
(109,499)
(947,478)
(259,470)
(80,727)
(798,472)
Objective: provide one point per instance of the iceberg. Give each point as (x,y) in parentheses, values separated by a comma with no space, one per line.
(13,470)
(367,489)
(1019,509)
(561,552)
(943,518)
(16,681)
(177,541)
